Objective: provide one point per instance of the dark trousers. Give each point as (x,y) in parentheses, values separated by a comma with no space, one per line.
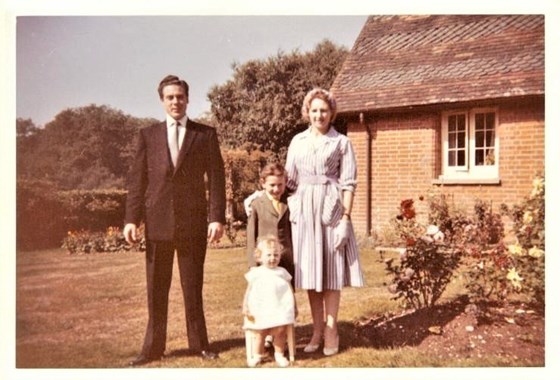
(159,270)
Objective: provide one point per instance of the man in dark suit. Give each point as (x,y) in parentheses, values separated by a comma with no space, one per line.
(177,163)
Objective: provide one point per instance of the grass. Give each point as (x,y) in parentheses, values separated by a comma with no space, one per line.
(89,311)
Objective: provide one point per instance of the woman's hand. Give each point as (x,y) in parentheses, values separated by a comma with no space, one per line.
(341,233)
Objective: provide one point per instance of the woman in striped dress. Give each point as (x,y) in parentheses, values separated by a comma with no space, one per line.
(322,178)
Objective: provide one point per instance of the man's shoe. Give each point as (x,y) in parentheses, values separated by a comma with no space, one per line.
(208,355)
(142,359)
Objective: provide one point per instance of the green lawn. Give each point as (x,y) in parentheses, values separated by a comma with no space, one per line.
(89,311)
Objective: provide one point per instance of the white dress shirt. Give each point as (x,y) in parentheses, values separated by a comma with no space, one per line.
(181,130)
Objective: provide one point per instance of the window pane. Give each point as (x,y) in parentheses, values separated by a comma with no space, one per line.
(479,139)
(452,140)
(461,139)
(479,157)
(489,159)
(461,122)
(452,123)
(451,158)
(489,138)
(479,121)
(490,117)
(461,158)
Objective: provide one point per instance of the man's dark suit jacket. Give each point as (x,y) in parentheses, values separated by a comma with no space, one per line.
(173,201)
(265,220)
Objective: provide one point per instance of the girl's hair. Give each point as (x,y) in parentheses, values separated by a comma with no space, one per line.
(318,93)
(268,241)
(274,169)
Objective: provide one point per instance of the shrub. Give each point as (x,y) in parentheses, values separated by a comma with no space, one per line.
(45,214)
(496,271)
(242,171)
(486,278)
(40,220)
(526,271)
(486,256)
(94,210)
(112,240)
(427,264)
(434,253)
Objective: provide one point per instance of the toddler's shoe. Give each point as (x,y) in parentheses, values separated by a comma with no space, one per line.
(254,361)
(268,341)
(281,360)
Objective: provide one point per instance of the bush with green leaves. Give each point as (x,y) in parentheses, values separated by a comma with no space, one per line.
(486,273)
(427,264)
(434,253)
(111,240)
(45,213)
(40,215)
(526,271)
(496,271)
(486,258)
(94,210)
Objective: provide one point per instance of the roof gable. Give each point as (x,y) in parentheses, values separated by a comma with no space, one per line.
(400,61)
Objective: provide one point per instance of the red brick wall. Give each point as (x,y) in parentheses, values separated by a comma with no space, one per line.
(406,158)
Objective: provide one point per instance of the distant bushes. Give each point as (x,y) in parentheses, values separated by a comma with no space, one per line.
(110,240)
(40,217)
(45,215)
(95,210)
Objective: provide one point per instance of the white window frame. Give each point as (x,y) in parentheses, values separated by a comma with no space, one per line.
(470,171)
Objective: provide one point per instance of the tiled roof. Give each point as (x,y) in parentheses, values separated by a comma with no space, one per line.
(400,61)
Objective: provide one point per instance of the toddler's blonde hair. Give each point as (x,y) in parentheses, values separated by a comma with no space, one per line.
(268,241)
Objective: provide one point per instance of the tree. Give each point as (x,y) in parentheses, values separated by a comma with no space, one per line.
(260,107)
(82,148)
(27,137)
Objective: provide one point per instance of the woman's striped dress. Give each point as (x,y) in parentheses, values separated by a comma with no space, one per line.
(319,168)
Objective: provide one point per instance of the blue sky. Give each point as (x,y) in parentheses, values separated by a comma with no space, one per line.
(73,61)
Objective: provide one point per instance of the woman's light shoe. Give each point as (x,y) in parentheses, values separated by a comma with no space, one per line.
(310,348)
(313,347)
(281,360)
(329,351)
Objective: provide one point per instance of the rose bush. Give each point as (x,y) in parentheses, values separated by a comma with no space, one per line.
(427,264)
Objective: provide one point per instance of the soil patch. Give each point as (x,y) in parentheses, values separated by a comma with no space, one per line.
(513,331)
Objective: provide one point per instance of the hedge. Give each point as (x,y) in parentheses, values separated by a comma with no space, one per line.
(45,215)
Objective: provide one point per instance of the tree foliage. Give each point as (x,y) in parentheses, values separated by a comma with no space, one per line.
(82,148)
(260,107)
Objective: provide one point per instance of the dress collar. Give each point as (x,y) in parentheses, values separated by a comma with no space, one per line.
(330,133)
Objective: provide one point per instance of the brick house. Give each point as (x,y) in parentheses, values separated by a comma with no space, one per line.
(447,102)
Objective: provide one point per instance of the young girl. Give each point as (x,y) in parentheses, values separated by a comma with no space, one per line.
(269,304)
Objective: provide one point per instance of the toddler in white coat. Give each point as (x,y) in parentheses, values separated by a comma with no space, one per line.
(269,304)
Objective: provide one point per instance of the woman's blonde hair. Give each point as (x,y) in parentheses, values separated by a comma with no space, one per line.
(318,93)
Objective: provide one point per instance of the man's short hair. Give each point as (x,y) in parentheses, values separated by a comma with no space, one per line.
(172,80)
